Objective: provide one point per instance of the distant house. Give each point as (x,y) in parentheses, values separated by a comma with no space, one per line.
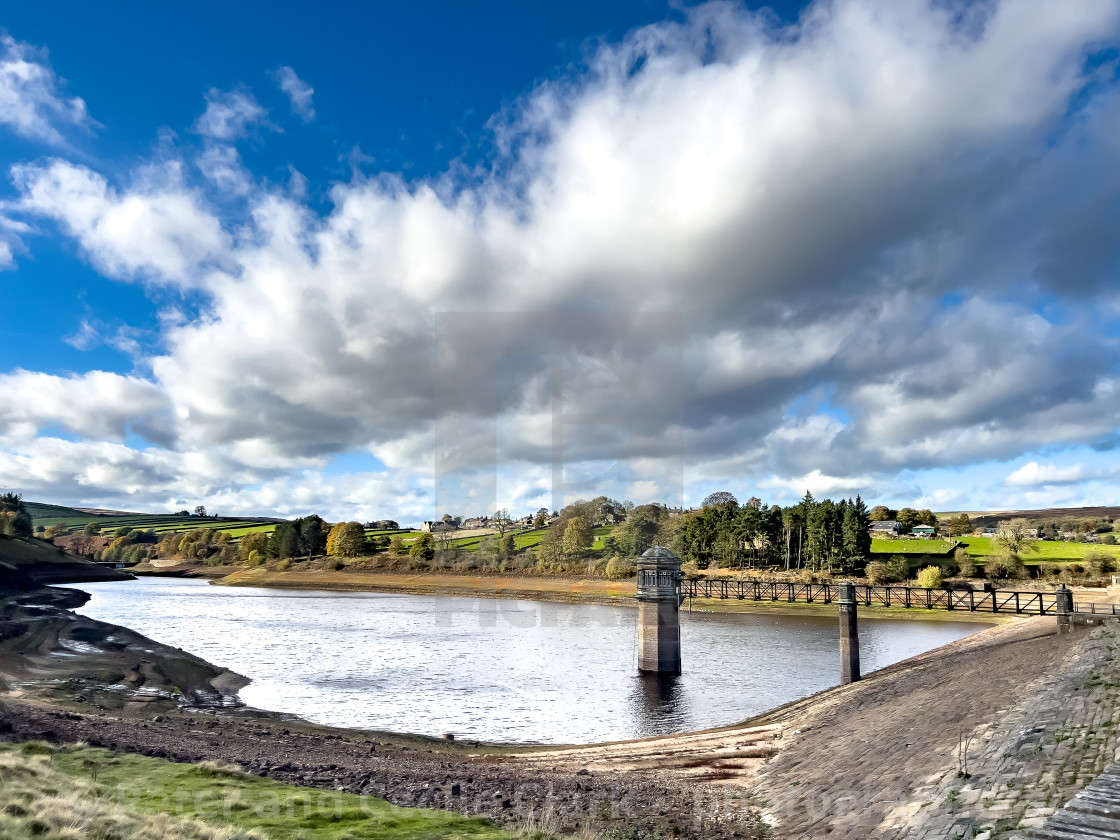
(438,525)
(888,527)
(927,532)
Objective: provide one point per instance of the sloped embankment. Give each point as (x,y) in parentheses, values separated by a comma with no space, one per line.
(47,564)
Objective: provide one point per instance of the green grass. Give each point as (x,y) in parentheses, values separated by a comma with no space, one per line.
(600,533)
(1048,551)
(52,794)
(879,546)
(522,540)
(30,552)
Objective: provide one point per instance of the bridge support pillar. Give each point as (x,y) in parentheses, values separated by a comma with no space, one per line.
(1064,608)
(849,634)
(659,605)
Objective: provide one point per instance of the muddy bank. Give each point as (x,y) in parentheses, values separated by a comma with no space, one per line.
(46,650)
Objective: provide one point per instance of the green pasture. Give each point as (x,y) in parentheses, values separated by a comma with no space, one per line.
(522,540)
(600,533)
(880,546)
(1049,551)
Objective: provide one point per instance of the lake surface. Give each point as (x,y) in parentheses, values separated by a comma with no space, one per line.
(497,670)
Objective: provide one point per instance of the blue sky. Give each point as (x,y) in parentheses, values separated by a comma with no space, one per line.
(281,261)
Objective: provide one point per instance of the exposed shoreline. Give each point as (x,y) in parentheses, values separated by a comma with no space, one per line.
(556,589)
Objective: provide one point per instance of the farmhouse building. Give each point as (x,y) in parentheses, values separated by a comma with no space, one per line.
(886,527)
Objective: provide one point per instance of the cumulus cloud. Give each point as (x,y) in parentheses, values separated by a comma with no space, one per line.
(298,91)
(1034,474)
(157,228)
(96,405)
(230,115)
(31,100)
(853,222)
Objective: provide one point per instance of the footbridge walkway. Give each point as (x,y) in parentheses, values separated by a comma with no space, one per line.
(1019,602)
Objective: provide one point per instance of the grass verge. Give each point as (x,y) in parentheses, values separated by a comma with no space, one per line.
(52,793)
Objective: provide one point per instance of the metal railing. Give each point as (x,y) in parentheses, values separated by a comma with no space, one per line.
(1020,602)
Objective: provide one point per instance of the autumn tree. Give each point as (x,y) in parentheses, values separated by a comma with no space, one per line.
(578,536)
(346,539)
(15,521)
(249,543)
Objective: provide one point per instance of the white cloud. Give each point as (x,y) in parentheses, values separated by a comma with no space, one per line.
(230,115)
(221,165)
(158,228)
(819,484)
(299,91)
(1034,474)
(802,199)
(97,405)
(31,101)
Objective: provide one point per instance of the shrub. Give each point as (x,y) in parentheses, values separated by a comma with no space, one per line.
(930,578)
(619,567)
(1100,562)
(335,564)
(255,558)
(422,548)
(1004,567)
(1108,539)
(283,565)
(894,570)
(965,566)
(257,541)
(396,546)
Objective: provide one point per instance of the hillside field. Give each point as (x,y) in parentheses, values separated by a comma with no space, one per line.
(1048,551)
(879,546)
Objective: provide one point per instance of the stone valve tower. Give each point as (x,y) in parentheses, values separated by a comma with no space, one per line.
(659,603)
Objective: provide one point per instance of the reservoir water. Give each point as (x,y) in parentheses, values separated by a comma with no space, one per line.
(496,670)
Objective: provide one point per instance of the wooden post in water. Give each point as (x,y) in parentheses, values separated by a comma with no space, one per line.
(849,634)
